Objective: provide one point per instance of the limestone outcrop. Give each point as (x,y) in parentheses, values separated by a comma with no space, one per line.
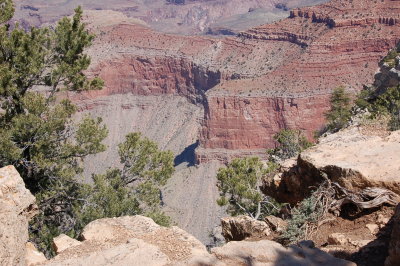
(128,239)
(17,206)
(353,159)
(121,241)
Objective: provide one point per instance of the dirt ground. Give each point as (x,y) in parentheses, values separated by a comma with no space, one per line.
(364,248)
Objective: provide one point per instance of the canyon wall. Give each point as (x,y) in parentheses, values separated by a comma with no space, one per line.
(146,76)
(212,99)
(270,77)
(188,17)
(249,123)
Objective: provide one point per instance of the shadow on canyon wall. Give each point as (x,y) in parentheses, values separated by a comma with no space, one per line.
(187,155)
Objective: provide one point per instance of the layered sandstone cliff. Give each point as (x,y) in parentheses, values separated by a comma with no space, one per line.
(270,77)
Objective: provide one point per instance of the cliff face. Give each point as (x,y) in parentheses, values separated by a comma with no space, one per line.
(243,122)
(146,76)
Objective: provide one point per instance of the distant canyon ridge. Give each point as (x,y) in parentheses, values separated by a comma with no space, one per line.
(173,16)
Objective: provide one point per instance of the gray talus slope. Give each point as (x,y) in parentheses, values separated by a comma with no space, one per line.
(173,122)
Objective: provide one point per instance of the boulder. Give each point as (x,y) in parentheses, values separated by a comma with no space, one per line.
(394,246)
(242,227)
(373,228)
(382,220)
(277,224)
(63,242)
(337,239)
(17,206)
(33,256)
(119,241)
(266,252)
(349,157)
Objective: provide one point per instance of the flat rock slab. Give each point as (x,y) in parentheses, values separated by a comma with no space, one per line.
(358,161)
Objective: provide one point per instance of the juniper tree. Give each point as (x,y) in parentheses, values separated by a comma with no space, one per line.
(40,137)
(240,188)
(6,10)
(38,134)
(340,111)
(290,143)
(134,188)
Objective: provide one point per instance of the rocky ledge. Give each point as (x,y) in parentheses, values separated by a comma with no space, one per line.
(354,158)
(132,239)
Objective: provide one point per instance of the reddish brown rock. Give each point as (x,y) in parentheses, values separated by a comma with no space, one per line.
(240,122)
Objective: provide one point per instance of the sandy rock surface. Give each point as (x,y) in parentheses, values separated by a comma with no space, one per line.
(351,157)
(124,240)
(17,206)
(358,161)
(63,242)
(120,241)
(270,253)
(33,256)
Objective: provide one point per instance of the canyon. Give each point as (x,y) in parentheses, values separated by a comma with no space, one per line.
(182,17)
(267,78)
(210,99)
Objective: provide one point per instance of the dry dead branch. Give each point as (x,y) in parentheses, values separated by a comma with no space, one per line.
(366,199)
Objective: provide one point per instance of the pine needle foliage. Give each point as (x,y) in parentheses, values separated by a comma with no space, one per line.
(41,138)
(239,185)
(291,142)
(340,112)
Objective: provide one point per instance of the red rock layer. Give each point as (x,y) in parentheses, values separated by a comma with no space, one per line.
(155,76)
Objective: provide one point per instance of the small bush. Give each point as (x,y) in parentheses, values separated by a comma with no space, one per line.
(290,143)
(239,185)
(390,59)
(386,104)
(303,219)
(340,113)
